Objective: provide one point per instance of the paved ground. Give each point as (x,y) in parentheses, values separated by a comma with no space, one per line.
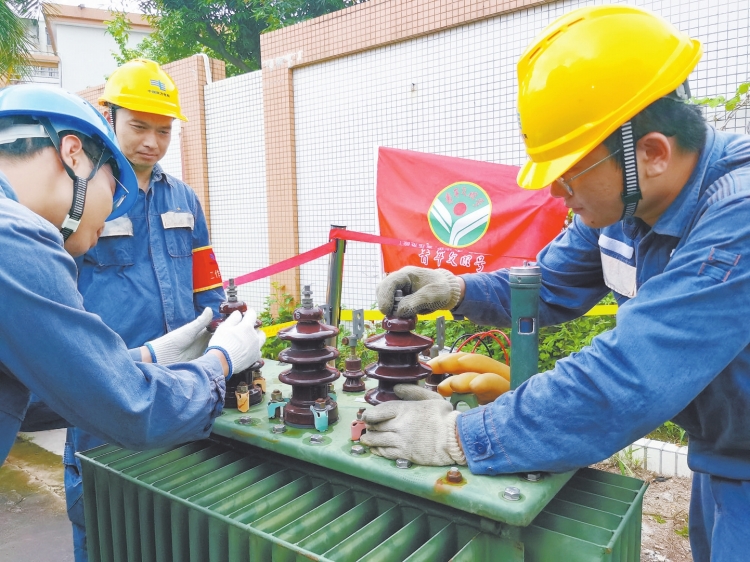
(33,522)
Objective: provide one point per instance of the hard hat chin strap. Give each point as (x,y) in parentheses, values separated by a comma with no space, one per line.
(80,185)
(631,192)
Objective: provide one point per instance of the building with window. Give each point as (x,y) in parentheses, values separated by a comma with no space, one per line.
(71,47)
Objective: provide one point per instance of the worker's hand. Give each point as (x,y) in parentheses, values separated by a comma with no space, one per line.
(183,344)
(238,339)
(425,291)
(421,427)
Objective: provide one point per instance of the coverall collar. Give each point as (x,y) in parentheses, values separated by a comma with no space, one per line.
(5,189)
(678,215)
(158,174)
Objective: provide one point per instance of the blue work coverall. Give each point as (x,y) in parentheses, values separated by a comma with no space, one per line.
(679,351)
(139,280)
(74,362)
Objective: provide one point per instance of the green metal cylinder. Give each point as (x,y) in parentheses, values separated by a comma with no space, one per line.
(335,284)
(525,282)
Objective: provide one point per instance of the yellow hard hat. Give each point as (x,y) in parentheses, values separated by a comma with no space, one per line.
(586,74)
(142,85)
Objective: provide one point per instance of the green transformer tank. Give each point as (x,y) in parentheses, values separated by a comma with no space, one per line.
(260,490)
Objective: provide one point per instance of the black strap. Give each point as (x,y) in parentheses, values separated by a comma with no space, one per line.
(72,220)
(631,192)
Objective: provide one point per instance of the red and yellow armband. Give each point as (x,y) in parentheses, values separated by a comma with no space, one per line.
(206,274)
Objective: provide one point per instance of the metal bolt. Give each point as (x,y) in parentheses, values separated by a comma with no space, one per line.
(533,476)
(307,301)
(359,413)
(331,388)
(358,450)
(316,439)
(320,404)
(512,494)
(454,475)
(276,396)
(245,420)
(278,428)
(403,463)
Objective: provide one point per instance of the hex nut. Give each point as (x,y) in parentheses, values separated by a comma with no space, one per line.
(403,463)
(278,428)
(358,450)
(276,396)
(316,439)
(245,420)
(512,494)
(533,476)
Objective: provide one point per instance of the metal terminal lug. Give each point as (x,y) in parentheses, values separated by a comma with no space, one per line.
(454,475)
(533,476)
(512,494)
(278,428)
(358,450)
(403,463)
(316,439)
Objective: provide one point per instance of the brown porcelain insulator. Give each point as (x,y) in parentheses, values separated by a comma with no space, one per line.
(309,376)
(398,362)
(226,308)
(353,373)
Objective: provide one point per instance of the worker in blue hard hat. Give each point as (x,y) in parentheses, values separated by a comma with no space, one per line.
(62,175)
(155,261)
(662,221)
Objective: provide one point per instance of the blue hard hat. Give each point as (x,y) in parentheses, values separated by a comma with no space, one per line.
(68,112)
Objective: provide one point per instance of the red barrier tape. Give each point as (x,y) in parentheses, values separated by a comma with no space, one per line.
(283,265)
(343,234)
(320,251)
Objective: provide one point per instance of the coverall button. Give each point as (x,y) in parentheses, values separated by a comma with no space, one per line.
(208,426)
(480,449)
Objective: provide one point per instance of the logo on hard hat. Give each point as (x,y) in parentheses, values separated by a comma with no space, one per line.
(159,84)
(460,214)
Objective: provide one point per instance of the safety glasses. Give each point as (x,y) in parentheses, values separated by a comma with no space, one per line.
(565,184)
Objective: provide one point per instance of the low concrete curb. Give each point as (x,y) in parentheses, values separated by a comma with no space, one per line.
(660,457)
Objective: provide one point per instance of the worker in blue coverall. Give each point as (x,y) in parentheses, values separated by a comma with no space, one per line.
(62,174)
(153,269)
(662,220)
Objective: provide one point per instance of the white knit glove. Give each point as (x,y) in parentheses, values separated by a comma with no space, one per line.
(421,427)
(238,340)
(183,344)
(425,291)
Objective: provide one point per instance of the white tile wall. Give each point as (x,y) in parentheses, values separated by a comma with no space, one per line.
(235,145)
(172,161)
(449,93)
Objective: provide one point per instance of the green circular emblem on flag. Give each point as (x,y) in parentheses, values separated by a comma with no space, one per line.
(460,214)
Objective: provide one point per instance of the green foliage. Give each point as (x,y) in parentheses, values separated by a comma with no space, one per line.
(278,309)
(669,432)
(683,531)
(659,519)
(14,42)
(557,342)
(731,106)
(227,30)
(627,462)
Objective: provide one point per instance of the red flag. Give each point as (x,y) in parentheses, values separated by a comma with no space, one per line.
(471,215)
